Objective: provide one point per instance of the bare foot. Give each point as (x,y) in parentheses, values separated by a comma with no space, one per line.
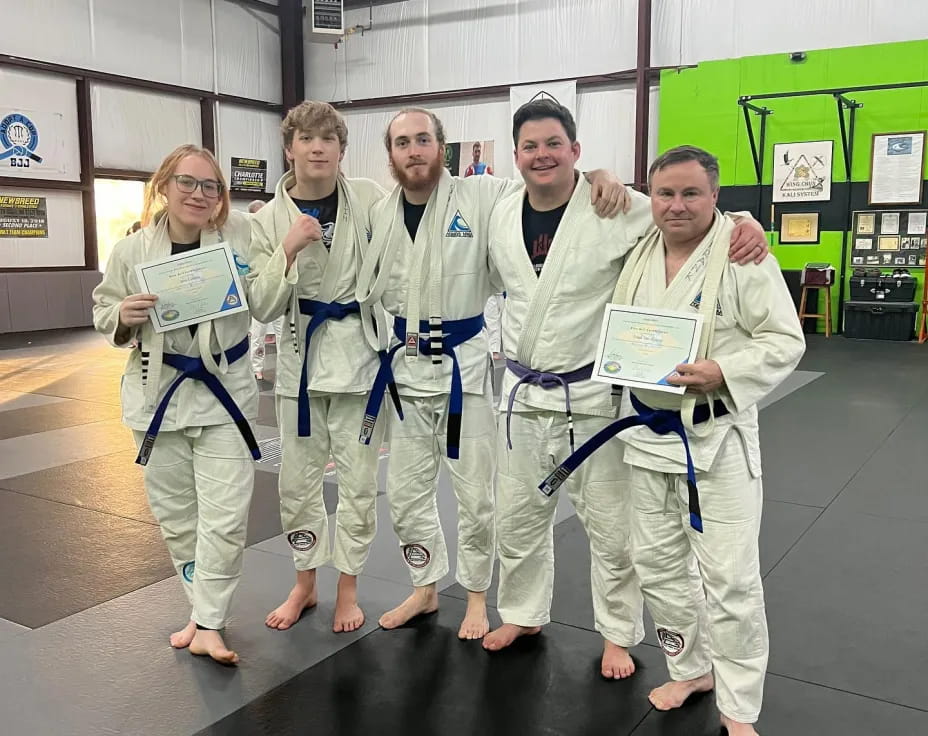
(738,729)
(423,600)
(302,596)
(475,624)
(673,694)
(617,662)
(181,639)
(506,634)
(348,614)
(209,643)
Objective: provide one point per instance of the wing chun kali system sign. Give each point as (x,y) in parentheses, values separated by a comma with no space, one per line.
(248,175)
(802,171)
(23,217)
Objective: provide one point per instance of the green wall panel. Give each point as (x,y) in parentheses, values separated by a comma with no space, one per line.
(699,106)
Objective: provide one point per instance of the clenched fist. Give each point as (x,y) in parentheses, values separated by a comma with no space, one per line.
(303,231)
(133,310)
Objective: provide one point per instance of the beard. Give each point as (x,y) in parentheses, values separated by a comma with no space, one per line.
(418,179)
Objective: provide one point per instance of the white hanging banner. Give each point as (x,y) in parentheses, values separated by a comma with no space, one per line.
(31,143)
(564,93)
(802,171)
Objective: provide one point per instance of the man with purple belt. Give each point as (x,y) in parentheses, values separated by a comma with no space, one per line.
(559,264)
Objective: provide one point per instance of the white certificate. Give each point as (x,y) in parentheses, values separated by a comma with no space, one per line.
(896,166)
(641,347)
(192,287)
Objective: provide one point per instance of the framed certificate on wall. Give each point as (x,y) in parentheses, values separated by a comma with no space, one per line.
(896,168)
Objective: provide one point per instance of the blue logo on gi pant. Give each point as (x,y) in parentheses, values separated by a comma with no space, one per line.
(18,140)
(458,227)
(187,571)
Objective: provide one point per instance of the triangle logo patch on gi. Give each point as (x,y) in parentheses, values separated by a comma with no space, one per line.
(698,300)
(459,227)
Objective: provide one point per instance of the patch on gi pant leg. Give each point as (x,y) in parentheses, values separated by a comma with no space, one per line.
(302,540)
(671,642)
(187,571)
(416,555)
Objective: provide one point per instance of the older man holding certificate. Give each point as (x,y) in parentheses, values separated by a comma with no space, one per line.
(707,437)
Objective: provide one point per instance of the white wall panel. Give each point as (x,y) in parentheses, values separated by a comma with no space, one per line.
(472,44)
(434,45)
(50,103)
(64,245)
(167,40)
(575,38)
(690,31)
(391,59)
(164,40)
(606,129)
(51,30)
(247,133)
(136,130)
(248,52)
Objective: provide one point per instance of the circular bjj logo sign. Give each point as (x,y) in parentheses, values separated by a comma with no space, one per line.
(232,300)
(416,555)
(671,642)
(302,540)
(187,571)
(612,367)
(169,315)
(18,137)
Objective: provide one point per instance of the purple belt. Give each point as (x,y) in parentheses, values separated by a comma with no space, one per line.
(546,381)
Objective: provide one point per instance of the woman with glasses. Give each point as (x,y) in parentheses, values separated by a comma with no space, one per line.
(188,393)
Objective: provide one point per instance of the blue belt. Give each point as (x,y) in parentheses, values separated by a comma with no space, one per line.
(318,312)
(452,334)
(545,381)
(659,421)
(194,368)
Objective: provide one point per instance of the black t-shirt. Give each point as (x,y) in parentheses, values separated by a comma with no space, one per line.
(183,248)
(412,216)
(538,230)
(325,210)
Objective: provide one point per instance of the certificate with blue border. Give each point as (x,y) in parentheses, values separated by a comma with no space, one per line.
(641,347)
(192,287)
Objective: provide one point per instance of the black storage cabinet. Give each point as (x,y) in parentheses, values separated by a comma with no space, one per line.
(882,288)
(880,320)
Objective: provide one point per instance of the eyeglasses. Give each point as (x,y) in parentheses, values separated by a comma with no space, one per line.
(188,185)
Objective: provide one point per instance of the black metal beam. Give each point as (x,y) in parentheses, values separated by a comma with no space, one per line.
(208,125)
(834,91)
(292,78)
(847,148)
(17,183)
(470,93)
(642,94)
(85,144)
(124,174)
(757,152)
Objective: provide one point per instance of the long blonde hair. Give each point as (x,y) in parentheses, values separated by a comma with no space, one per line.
(155,200)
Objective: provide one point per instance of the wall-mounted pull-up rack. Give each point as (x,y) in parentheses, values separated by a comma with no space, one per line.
(847,110)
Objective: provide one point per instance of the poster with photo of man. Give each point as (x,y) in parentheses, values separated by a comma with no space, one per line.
(481,158)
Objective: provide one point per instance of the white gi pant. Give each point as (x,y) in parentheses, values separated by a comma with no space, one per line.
(336,421)
(736,648)
(418,447)
(525,524)
(199,482)
(258,333)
